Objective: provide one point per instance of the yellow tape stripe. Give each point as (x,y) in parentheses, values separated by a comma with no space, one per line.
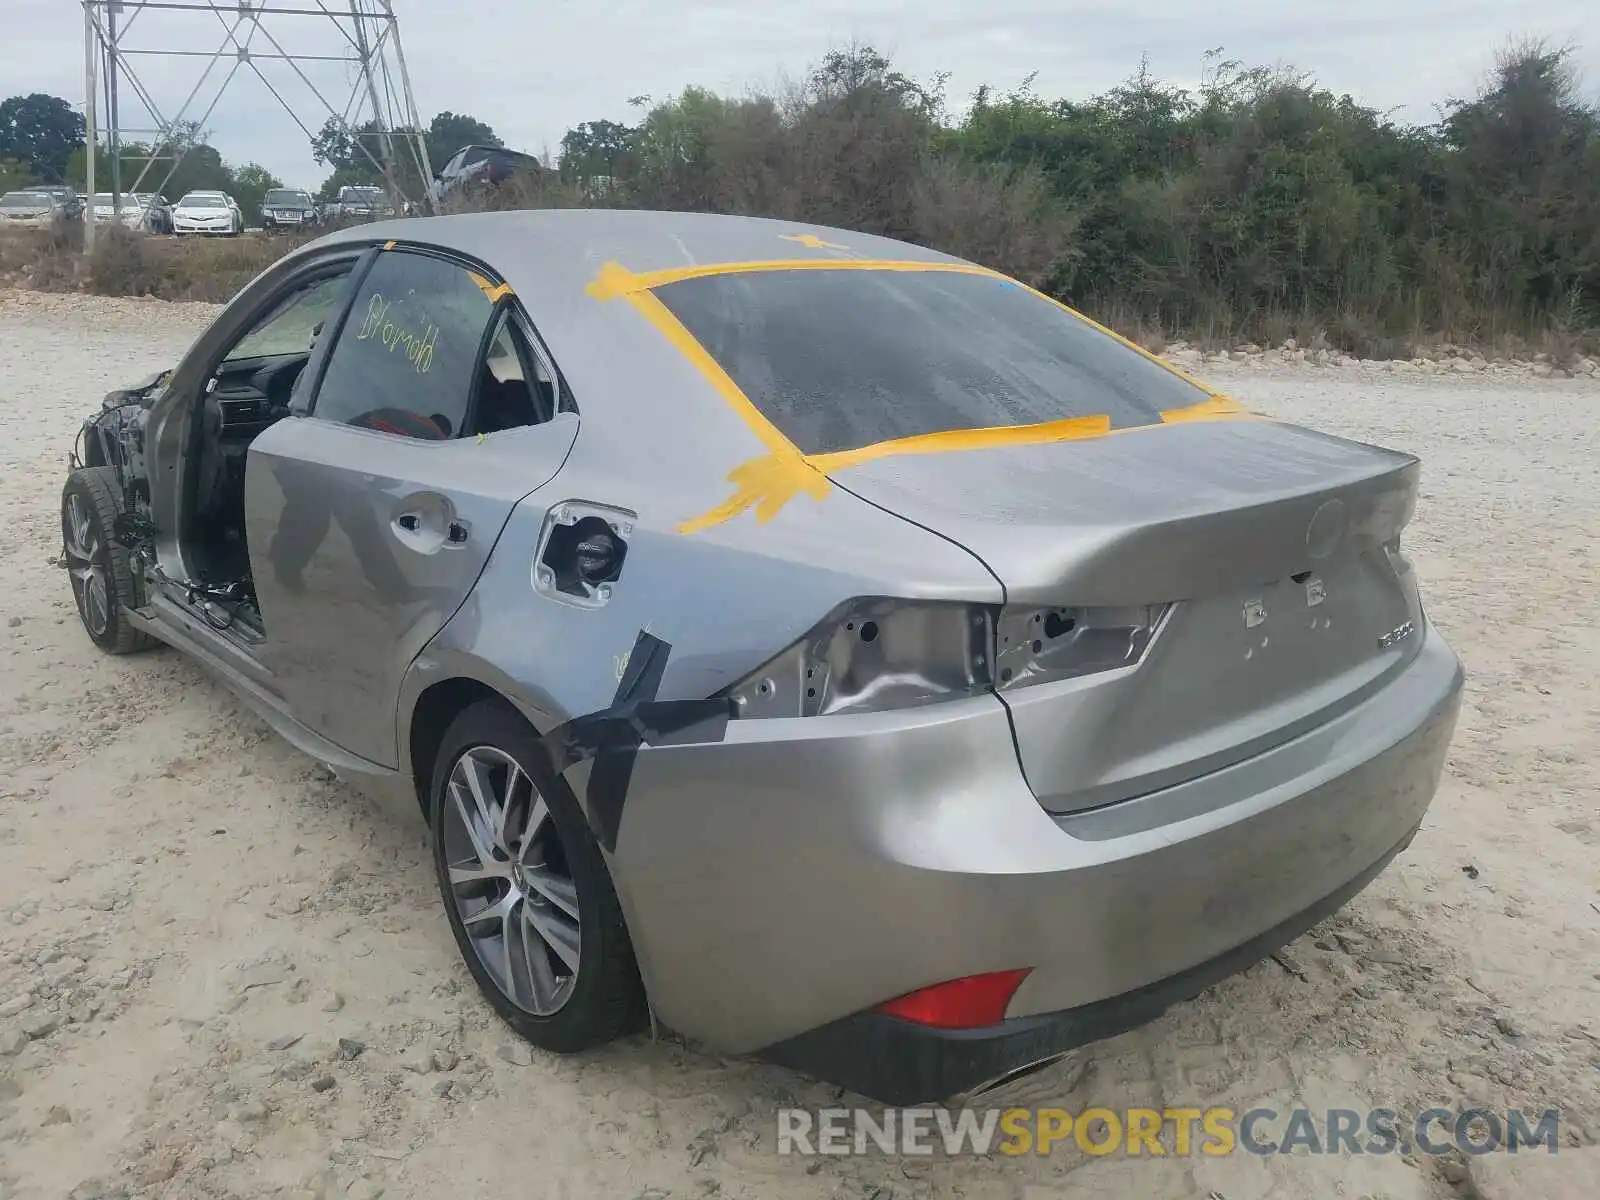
(491,290)
(658,314)
(390,245)
(615,280)
(769,482)
(1068,430)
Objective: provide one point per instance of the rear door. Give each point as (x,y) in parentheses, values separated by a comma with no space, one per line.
(370,517)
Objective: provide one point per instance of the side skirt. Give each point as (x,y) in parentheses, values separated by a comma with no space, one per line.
(386,787)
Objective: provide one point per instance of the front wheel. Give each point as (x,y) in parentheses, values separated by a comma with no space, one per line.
(526,890)
(103,583)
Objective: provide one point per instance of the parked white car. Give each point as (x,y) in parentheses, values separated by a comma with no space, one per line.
(208,212)
(30,210)
(133,209)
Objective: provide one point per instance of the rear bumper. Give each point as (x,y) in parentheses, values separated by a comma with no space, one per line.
(899,1063)
(803,871)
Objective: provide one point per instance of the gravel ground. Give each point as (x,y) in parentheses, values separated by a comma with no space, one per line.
(222,975)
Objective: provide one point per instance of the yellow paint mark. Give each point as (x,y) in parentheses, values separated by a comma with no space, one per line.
(390,245)
(765,484)
(1070,429)
(769,482)
(1217,408)
(493,291)
(480,439)
(616,280)
(811,241)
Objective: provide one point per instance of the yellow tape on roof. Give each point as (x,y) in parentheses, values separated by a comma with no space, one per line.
(769,482)
(491,290)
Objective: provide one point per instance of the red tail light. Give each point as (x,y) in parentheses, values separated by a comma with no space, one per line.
(967,1003)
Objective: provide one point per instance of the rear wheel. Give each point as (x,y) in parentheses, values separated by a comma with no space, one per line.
(526,890)
(103,583)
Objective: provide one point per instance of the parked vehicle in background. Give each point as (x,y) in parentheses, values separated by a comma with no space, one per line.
(133,211)
(364,204)
(158,212)
(476,167)
(72,204)
(288,208)
(208,212)
(30,210)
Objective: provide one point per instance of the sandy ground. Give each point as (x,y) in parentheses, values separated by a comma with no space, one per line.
(192,915)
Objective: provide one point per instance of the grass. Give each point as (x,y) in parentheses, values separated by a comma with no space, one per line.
(127,263)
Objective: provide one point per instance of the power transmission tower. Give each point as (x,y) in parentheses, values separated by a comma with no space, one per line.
(362,34)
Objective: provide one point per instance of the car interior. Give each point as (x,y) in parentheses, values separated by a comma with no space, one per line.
(250,390)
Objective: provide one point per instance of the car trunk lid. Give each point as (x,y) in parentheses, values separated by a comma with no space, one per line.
(1271,549)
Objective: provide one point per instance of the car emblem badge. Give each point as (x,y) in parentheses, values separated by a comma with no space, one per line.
(1316,592)
(1255,612)
(1398,634)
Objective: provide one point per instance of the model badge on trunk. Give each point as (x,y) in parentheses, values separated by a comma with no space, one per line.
(1398,634)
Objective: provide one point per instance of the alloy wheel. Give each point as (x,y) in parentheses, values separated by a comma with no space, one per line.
(86,564)
(510,880)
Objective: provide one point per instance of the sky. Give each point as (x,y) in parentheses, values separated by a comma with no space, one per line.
(534,68)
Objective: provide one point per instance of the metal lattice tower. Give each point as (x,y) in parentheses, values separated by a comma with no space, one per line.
(362,34)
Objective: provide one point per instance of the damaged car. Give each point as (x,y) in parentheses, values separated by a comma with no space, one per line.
(830,649)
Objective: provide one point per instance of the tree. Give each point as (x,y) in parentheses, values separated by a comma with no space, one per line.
(134,156)
(40,131)
(355,153)
(13,175)
(595,148)
(201,169)
(449,131)
(251,183)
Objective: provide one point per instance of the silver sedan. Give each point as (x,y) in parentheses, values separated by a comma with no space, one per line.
(837,649)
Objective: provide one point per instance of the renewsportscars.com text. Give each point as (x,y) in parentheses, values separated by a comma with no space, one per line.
(1159,1132)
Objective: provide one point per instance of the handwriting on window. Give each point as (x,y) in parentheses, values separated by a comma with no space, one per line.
(416,344)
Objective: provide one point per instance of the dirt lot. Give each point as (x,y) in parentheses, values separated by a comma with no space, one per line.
(192,915)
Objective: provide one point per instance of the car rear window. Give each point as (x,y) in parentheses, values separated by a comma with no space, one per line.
(843,359)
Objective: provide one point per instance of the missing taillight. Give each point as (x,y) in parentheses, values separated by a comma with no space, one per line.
(872,654)
(1038,645)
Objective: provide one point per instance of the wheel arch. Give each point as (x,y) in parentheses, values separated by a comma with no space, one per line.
(437,689)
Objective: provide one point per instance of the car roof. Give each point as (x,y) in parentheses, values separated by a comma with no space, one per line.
(549,256)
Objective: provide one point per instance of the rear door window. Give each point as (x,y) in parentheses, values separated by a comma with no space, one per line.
(407,357)
(842,359)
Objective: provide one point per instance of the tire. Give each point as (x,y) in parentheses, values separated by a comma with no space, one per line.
(103,583)
(604,999)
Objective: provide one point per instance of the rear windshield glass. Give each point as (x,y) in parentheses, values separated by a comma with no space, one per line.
(843,359)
